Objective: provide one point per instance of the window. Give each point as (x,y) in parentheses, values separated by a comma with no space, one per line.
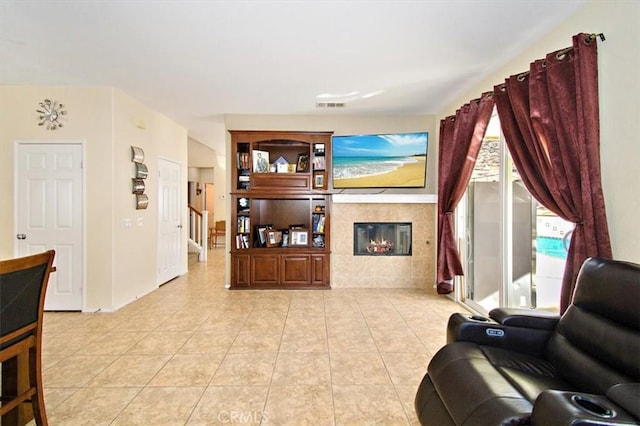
(513,249)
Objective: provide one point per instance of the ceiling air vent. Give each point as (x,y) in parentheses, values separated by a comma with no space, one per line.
(330,104)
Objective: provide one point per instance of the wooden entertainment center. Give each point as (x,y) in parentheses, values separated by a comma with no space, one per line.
(280,209)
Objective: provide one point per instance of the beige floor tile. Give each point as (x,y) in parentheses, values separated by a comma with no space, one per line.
(100,323)
(253,341)
(365,368)
(113,343)
(67,343)
(304,340)
(188,370)
(160,342)
(76,370)
(92,406)
(224,405)
(195,353)
(351,341)
(57,322)
(398,340)
(407,395)
(160,406)
(141,322)
(267,323)
(231,323)
(49,361)
(184,321)
(130,371)
(245,369)
(299,405)
(406,369)
(302,369)
(56,396)
(346,321)
(305,320)
(207,342)
(368,404)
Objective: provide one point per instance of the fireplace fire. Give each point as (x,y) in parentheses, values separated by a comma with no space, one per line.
(382,239)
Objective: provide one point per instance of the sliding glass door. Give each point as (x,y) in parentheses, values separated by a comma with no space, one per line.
(513,248)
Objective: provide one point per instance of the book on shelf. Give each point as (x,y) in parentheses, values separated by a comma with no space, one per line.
(317,223)
(244,182)
(244,224)
(242,241)
(243,160)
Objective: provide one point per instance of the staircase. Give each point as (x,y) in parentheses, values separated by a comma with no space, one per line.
(198,233)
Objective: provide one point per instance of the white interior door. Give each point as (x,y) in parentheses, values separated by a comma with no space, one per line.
(49,214)
(169,220)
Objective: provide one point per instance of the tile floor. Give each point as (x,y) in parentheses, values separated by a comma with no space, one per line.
(195,353)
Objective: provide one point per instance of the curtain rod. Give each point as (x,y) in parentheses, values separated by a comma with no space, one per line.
(560,55)
(593,36)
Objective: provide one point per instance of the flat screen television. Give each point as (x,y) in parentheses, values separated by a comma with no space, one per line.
(394,160)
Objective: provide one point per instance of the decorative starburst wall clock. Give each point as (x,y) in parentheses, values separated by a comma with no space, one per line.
(50,114)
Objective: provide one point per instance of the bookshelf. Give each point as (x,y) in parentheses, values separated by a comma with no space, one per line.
(281,209)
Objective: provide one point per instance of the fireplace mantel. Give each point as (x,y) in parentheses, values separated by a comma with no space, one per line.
(385,198)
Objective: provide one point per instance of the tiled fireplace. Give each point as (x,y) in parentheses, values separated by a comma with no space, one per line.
(382,239)
(416,271)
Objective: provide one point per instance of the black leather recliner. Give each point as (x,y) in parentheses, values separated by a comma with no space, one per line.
(528,367)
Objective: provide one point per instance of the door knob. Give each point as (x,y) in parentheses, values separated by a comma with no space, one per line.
(179,226)
(21,236)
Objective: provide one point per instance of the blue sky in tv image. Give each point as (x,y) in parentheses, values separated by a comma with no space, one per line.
(367,155)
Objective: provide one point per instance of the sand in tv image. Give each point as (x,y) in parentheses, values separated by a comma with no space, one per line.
(380,161)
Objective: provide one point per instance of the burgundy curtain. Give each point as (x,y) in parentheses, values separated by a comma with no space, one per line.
(460,140)
(550,120)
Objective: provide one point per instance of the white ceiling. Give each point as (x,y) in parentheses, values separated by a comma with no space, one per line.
(197,60)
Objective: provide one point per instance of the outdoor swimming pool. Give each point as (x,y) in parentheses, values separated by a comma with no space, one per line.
(551,246)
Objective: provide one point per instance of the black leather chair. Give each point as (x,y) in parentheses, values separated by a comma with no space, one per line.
(23,285)
(527,367)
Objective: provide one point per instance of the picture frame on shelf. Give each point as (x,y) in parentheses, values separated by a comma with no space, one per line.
(274,238)
(299,238)
(261,234)
(260,161)
(302,165)
(318,180)
(319,163)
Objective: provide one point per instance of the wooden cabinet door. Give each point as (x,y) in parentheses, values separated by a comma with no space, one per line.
(320,270)
(296,269)
(240,276)
(264,269)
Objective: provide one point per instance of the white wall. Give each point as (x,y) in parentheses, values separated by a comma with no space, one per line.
(119,263)
(619,68)
(136,248)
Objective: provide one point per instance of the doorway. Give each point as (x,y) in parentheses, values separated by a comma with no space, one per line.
(514,249)
(170,208)
(49,209)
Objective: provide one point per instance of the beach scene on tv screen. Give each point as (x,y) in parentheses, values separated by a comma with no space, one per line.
(380,161)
